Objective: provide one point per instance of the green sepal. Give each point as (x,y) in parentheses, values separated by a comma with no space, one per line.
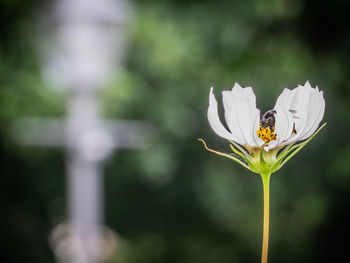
(242,153)
(237,152)
(240,148)
(226,155)
(284,153)
(258,160)
(296,148)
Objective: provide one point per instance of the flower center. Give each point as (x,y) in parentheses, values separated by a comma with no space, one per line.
(267,134)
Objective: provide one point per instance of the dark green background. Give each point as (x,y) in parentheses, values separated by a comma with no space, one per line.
(173,201)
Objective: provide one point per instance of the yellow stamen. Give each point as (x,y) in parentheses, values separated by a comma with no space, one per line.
(266,134)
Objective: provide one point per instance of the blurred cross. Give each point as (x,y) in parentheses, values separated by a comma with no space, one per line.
(83,42)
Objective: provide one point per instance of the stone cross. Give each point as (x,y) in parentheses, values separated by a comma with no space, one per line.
(83,41)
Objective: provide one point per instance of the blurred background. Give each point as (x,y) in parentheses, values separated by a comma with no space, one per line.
(173,201)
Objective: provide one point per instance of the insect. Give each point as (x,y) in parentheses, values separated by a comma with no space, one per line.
(267,126)
(268,120)
(266,129)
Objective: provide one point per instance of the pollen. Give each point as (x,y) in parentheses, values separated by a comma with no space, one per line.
(267,134)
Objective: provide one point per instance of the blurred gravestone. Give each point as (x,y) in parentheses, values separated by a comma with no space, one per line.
(82,41)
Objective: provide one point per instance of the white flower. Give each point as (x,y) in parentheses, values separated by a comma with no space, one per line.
(296,116)
(270,141)
(263,145)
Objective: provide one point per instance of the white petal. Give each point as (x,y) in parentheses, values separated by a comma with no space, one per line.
(241,115)
(258,141)
(214,121)
(246,113)
(315,115)
(307,105)
(284,124)
(301,105)
(286,98)
(231,117)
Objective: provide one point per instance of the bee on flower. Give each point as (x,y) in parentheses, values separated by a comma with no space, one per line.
(257,141)
(263,145)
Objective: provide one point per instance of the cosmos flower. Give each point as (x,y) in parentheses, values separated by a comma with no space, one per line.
(263,145)
(295,117)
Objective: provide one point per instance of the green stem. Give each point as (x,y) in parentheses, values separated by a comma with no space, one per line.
(266,186)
